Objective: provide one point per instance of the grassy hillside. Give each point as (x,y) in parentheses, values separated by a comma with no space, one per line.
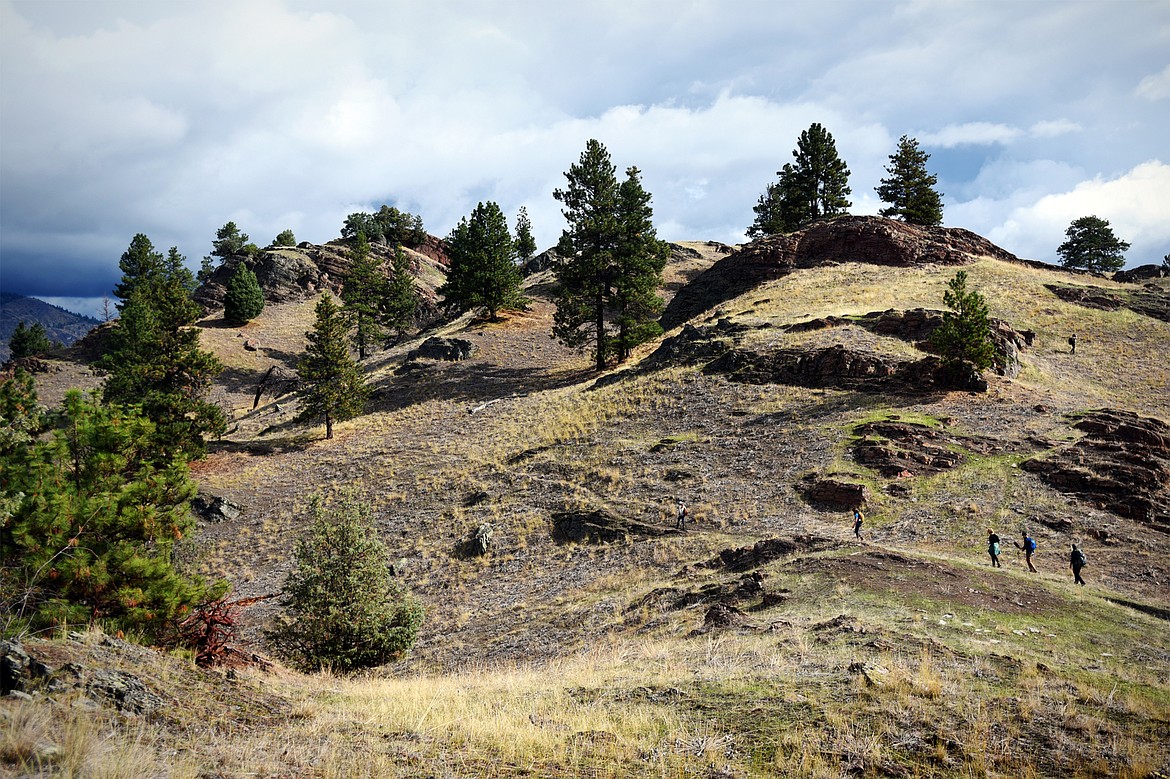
(666,653)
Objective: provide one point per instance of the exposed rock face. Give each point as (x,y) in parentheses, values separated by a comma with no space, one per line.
(745,558)
(901,449)
(215,508)
(288,274)
(1151,300)
(833,366)
(1122,464)
(869,239)
(835,494)
(600,527)
(1141,273)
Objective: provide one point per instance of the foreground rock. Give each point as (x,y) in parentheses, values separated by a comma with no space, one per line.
(601,526)
(1122,465)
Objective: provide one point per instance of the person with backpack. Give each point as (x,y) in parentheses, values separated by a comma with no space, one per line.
(681,516)
(1077,561)
(1029,547)
(857,520)
(993,548)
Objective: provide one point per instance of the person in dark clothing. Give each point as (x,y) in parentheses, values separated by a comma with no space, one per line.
(1072,341)
(857,520)
(1029,546)
(993,548)
(680,519)
(1077,561)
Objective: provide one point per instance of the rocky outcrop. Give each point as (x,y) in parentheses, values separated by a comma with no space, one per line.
(746,558)
(868,239)
(1141,273)
(1122,465)
(832,366)
(834,494)
(898,449)
(1151,300)
(601,526)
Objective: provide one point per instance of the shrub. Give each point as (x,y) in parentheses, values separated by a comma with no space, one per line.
(244,299)
(343,609)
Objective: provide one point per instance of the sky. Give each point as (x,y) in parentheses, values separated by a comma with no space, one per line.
(172,118)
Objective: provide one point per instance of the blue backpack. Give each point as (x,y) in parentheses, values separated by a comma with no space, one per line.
(1031,545)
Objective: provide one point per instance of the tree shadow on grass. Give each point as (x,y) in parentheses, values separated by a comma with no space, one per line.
(470,382)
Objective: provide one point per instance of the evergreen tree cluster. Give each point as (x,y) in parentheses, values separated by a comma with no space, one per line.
(612,259)
(380,307)
(388,225)
(90,516)
(816,185)
(154,360)
(483,273)
(28,341)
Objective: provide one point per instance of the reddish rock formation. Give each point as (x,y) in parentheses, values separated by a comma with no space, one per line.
(1122,464)
(870,239)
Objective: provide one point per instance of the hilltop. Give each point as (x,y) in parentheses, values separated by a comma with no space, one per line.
(597,639)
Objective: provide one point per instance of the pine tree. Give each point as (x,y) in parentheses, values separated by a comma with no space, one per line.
(140,264)
(154,358)
(910,188)
(482,272)
(964,338)
(612,261)
(401,301)
(285,238)
(343,609)
(362,295)
(816,185)
(640,258)
(91,533)
(525,243)
(332,383)
(587,247)
(28,341)
(1091,245)
(244,300)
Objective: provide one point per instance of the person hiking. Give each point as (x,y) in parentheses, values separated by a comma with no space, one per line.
(993,548)
(858,518)
(1077,561)
(1029,546)
(681,516)
(1072,341)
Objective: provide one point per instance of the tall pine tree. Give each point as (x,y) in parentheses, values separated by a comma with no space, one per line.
(910,188)
(525,243)
(332,384)
(362,294)
(611,262)
(815,185)
(964,338)
(401,301)
(640,258)
(154,359)
(483,272)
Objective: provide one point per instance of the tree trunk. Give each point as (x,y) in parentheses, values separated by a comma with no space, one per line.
(601,345)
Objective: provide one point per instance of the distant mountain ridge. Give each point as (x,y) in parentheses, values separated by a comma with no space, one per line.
(61,326)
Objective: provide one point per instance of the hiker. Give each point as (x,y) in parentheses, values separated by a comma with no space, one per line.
(993,548)
(1029,546)
(1072,341)
(1077,561)
(857,520)
(681,516)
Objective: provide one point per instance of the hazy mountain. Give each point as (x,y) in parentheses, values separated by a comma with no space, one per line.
(60,325)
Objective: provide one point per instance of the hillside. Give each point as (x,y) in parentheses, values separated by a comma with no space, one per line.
(596,639)
(61,326)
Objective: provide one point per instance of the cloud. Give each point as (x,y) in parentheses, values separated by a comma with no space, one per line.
(1136,204)
(971,134)
(1155,87)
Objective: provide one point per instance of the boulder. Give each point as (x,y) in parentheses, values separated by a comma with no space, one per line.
(1141,273)
(216,508)
(746,558)
(449,349)
(126,692)
(600,527)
